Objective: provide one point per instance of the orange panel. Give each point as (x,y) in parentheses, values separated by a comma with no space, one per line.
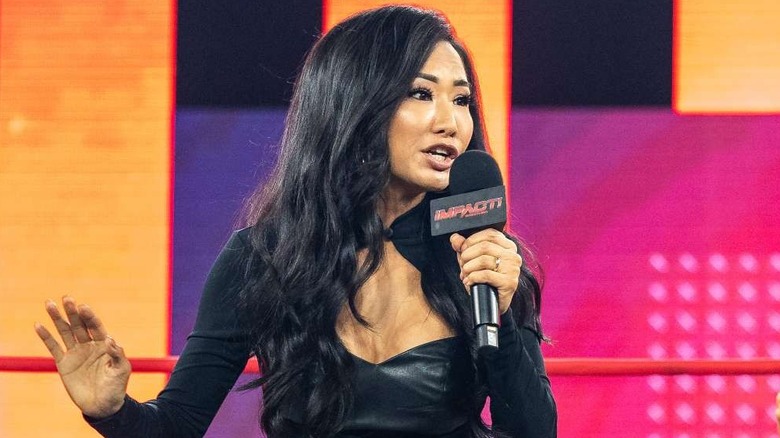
(486,29)
(727,56)
(86,93)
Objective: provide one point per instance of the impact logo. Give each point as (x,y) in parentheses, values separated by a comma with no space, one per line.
(468,210)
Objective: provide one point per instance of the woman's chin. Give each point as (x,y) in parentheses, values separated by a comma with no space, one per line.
(439,184)
(432,185)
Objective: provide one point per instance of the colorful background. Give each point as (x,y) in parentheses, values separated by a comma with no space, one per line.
(641,143)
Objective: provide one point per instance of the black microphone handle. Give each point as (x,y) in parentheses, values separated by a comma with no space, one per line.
(484,303)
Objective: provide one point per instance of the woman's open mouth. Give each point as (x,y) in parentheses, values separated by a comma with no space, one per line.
(441,156)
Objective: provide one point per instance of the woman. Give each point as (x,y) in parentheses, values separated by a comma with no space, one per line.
(360,320)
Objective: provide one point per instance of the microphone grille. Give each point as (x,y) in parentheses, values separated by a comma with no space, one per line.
(474,170)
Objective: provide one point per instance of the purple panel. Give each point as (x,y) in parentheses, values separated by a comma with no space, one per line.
(220,157)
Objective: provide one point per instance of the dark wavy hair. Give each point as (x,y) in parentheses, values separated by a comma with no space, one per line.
(319,208)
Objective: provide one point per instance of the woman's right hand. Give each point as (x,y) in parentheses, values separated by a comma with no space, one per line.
(92,367)
(777,412)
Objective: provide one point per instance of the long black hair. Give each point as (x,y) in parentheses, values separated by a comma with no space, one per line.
(319,208)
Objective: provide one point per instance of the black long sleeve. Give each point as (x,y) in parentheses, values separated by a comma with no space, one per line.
(215,354)
(217,351)
(521,400)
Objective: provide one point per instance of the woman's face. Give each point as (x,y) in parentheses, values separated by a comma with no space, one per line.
(432,125)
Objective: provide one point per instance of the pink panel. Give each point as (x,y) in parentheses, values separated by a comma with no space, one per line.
(660,236)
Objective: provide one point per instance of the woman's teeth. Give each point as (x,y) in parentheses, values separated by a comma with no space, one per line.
(438,156)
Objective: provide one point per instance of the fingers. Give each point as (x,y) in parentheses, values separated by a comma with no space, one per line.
(63,328)
(51,344)
(92,323)
(484,237)
(116,352)
(505,262)
(489,257)
(77,326)
(82,325)
(488,250)
(487,244)
(777,412)
(494,279)
(456,240)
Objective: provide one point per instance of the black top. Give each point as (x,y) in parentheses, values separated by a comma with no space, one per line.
(419,392)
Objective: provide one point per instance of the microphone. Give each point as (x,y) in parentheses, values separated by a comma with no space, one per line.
(477,201)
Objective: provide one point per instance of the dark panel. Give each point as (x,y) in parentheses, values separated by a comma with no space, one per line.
(576,53)
(242,53)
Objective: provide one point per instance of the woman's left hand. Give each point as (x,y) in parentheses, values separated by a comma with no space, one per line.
(488,256)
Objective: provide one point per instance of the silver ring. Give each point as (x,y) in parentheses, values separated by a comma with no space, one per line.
(498,264)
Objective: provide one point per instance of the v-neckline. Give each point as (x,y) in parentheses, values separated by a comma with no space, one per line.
(403,353)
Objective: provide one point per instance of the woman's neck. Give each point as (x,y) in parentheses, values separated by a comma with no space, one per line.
(396,201)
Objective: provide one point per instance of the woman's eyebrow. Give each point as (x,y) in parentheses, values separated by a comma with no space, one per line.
(435,80)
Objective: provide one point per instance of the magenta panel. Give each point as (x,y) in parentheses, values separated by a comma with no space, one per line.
(660,237)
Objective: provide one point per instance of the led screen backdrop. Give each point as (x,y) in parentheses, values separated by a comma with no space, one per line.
(659,233)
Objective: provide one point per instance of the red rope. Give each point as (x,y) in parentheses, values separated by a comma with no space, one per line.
(140,364)
(555,366)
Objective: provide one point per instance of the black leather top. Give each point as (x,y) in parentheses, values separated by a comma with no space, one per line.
(420,389)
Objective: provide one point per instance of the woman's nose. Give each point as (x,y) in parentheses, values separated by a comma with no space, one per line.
(444,121)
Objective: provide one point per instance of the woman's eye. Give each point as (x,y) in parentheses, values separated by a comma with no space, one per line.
(421,94)
(463,100)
